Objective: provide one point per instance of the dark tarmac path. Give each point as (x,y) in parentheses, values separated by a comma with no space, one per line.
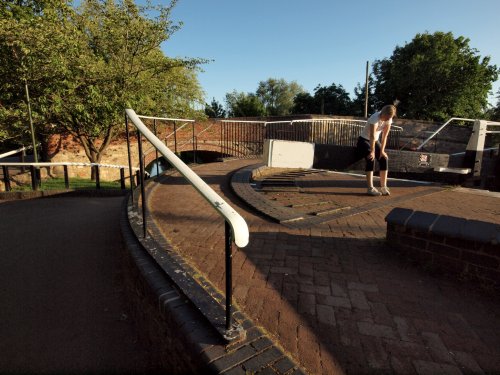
(62,301)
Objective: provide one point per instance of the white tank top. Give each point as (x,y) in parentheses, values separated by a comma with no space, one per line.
(379,126)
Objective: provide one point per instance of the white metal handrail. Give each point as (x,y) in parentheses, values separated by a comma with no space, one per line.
(237,223)
(57,164)
(441,128)
(9,153)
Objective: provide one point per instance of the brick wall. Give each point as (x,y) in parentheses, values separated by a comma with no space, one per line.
(467,248)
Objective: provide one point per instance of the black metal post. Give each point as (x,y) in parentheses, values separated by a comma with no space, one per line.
(122,178)
(66,177)
(6,178)
(221,138)
(156,150)
(129,159)
(194,147)
(143,190)
(175,137)
(229,274)
(23,159)
(34,182)
(97,177)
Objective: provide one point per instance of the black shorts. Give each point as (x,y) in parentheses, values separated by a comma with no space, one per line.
(363,149)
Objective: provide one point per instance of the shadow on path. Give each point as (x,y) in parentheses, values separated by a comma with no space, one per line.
(63,307)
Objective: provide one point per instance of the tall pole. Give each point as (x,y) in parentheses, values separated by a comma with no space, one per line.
(366,91)
(31,121)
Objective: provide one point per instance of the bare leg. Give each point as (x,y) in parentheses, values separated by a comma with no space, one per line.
(369,179)
(383,178)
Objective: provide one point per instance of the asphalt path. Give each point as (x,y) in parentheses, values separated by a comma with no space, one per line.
(63,308)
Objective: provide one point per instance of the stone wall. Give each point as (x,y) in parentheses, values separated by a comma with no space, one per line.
(469,249)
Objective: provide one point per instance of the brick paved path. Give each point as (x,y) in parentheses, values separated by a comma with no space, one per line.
(334,295)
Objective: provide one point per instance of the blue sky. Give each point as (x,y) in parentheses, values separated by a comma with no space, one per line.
(317,41)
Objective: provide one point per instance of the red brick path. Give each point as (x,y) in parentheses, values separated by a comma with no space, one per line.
(334,295)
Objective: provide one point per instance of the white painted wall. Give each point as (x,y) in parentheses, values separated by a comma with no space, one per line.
(288,154)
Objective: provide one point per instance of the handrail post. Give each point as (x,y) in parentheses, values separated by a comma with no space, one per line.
(229,274)
(6,178)
(23,158)
(194,147)
(122,178)
(66,177)
(129,159)
(143,190)
(175,137)
(34,182)
(156,150)
(97,177)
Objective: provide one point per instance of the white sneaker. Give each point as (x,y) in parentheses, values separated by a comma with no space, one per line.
(385,191)
(373,191)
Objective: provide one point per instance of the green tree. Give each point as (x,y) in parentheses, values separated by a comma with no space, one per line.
(277,95)
(435,76)
(327,100)
(85,65)
(240,104)
(494,113)
(215,109)
(358,103)
(121,64)
(35,44)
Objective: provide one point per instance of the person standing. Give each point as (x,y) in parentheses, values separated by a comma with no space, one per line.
(370,148)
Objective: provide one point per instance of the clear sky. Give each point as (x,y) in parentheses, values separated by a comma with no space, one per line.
(317,42)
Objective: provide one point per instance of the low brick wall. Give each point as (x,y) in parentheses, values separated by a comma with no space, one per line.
(468,248)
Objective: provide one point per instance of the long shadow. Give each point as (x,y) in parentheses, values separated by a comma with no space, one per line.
(368,307)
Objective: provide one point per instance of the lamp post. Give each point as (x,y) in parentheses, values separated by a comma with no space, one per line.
(31,121)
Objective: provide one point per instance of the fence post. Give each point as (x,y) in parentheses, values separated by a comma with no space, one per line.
(143,190)
(229,274)
(122,178)
(66,177)
(97,177)
(175,137)
(23,159)
(194,147)
(129,159)
(34,180)
(6,178)
(156,150)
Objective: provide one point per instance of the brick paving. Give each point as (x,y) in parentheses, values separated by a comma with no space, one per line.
(333,294)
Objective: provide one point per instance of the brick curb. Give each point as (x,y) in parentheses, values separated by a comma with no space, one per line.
(241,186)
(256,353)
(469,248)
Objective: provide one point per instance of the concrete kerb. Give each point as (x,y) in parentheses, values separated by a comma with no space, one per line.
(181,322)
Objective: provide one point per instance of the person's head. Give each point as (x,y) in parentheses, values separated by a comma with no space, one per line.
(387,112)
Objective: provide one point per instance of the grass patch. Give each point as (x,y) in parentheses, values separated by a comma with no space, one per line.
(74,184)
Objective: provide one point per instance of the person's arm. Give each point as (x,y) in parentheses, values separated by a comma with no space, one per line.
(371,156)
(385,134)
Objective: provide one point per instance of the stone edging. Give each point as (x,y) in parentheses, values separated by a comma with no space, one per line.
(183,324)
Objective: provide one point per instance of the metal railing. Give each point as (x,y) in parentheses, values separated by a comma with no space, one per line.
(235,226)
(437,131)
(36,181)
(21,151)
(246,138)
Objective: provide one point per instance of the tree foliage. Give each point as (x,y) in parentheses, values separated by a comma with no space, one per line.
(327,100)
(277,96)
(215,109)
(435,77)
(35,45)
(86,65)
(242,104)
